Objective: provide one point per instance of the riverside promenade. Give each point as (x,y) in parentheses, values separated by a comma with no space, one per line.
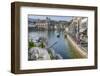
(77,47)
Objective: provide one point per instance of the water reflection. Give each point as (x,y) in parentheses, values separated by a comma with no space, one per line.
(62,46)
(55,40)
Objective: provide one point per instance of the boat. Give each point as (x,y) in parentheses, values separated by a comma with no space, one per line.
(58,35)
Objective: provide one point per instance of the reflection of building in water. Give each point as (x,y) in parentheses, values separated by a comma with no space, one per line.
(78,30)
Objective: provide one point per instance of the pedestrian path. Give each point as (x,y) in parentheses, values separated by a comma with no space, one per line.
(77,47)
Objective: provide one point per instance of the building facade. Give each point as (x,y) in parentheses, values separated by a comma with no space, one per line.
(78,30)
(42,24)
(47,24)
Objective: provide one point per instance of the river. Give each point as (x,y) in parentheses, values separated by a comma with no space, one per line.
(62,45)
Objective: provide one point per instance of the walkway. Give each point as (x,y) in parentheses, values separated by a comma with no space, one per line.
(77,47)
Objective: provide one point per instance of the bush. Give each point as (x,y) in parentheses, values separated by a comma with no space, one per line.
(31,44)
(42,45)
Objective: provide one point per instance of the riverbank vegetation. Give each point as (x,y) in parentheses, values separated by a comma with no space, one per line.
(42,45)
(33,44)
(50,53)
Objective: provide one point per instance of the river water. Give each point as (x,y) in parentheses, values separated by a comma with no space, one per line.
(62,45)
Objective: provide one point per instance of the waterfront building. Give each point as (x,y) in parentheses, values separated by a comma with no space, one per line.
(47,24)
(84,33)
(78,30)
(42,24)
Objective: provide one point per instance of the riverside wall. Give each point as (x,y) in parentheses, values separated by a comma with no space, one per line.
(77,48)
